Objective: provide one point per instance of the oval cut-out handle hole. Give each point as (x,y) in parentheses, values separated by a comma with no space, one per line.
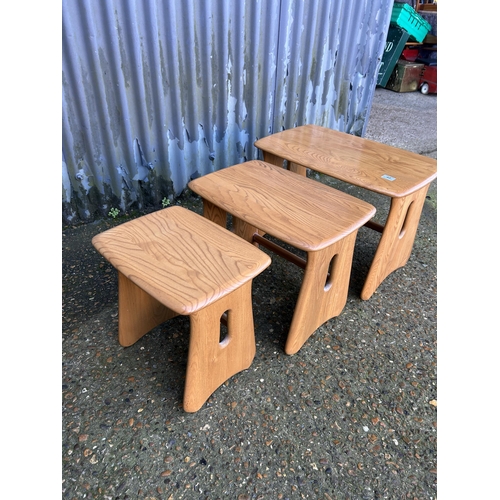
(224,332)
(331,272)
(407,217)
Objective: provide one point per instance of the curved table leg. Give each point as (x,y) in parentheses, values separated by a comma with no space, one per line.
(211,361)
(323,292)
(138,312)
(214,213)
(396,242)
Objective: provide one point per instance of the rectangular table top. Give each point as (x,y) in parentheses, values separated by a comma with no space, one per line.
(302,212)
(180,258)
(368,164)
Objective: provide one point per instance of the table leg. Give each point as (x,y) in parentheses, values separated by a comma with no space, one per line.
(397,239)
(240,227)
(273,159)
(138,312)
(245,230)
(298,169)
(279,162)
(211,361)
(323,292)
(214,213)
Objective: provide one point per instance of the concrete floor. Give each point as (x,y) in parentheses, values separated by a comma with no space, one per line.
(352,415)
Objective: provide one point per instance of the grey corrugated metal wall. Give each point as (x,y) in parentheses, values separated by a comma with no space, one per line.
(156,90)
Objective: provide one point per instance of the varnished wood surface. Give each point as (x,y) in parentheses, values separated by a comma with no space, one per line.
(323,292)
(210,361)
(138,312)
(302,212)
(395,245)
(352,159)
(180,258)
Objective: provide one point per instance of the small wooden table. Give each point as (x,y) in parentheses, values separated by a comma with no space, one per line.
(173,262)
(402,175)
(308,215)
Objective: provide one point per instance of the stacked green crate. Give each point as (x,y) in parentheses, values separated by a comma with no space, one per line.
(394,45)
(406,17)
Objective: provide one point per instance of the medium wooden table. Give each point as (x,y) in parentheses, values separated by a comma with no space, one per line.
(309,216)
(401,175)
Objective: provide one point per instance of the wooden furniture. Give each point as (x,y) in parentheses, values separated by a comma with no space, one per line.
(309,216)
(390,171)
(426,5)
(173,262)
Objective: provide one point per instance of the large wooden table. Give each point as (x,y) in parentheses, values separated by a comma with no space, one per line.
(308,215)
(401,175)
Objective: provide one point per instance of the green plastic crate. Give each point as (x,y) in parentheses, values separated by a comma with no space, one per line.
(406,17)
(394,45)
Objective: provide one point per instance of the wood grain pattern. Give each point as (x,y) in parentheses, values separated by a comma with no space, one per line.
(300,211)
(352,159)
(210,362)
(303,213)
(176,262)
(402,175)
(396,243)
(138,312)
(324,289)
(181,259)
